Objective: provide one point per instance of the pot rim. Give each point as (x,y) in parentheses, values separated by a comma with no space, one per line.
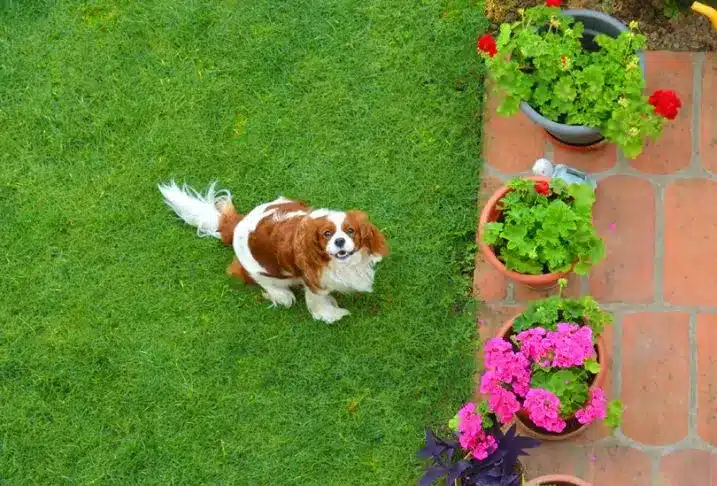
(553,478)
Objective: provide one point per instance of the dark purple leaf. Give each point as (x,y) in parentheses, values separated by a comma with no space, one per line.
(431,475)
(457,471)
(431,449)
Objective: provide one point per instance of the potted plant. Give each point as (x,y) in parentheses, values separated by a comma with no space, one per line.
(579,74)
(558,480)
(479,454)
(535,230)
(546,368)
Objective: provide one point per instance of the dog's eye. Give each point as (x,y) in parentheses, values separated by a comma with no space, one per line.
(350,231)
(328,234)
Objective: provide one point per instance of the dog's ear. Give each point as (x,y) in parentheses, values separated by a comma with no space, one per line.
(370,236)
(310,253)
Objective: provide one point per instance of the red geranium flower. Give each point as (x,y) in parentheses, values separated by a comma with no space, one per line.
(552,3)
(486,43)
(666,103)
(542,187)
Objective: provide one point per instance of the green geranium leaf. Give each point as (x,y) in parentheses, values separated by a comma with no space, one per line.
(592,366)
(613,418)
(453,423)
(565,89)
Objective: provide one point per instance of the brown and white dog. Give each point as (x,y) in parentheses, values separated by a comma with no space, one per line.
(283,244)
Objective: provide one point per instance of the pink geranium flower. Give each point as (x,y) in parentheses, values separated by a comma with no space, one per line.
(533,343)
(571,345)
(495,350)
(544,410)
(504,404)
(471,435)
(595,409)
(509,367)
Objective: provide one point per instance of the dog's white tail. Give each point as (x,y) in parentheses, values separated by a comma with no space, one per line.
(200,211)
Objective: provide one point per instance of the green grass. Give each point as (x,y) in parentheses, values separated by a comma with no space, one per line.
(126,354)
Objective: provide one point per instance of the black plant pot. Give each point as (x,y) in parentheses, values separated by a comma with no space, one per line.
(595,23)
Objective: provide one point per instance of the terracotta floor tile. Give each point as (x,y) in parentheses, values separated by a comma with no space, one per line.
(655,376)
(688,468)
(624,216)
(598,160)
(619,466)
(673,150)
(690,241)
(511,144)
(707,377)
(708,120)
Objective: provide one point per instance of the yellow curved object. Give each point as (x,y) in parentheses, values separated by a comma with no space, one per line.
(707,11)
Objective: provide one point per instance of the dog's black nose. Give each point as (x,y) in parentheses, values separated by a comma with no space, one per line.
(340,242)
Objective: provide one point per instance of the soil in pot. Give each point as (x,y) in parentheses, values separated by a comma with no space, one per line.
(671,30)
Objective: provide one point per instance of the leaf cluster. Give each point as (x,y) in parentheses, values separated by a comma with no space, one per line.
(539,234)
(448,460)
(541,60)
(570,385)
(548,312)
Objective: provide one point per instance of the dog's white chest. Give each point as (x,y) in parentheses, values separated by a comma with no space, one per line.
(355,275)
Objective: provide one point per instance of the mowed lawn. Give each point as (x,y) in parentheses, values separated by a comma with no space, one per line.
(127,355)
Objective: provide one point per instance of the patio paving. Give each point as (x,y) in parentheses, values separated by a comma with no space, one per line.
(658,216)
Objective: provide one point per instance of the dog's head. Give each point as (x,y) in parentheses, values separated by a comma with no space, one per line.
(341,235)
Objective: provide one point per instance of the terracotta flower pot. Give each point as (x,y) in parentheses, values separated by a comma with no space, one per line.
(573,428)
(558,480)
(489,214)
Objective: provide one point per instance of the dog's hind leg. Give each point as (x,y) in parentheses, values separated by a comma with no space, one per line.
(228,220)
(276,290)
(235,269)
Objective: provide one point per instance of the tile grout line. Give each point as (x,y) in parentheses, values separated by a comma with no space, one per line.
(617,355)
(698,63)
(510,292)
(658,266)
(684,444)
(549,151)
(622,166)
(655,460)
(688,173)
(584,285)
(630,308)
(692,404)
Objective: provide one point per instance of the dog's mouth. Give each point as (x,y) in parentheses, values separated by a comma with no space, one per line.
(343,254)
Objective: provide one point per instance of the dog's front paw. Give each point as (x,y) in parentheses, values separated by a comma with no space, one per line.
(331,314)
(280,297)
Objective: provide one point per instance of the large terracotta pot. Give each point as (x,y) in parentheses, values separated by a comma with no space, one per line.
(574,428)
(491,214)
(558,480)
